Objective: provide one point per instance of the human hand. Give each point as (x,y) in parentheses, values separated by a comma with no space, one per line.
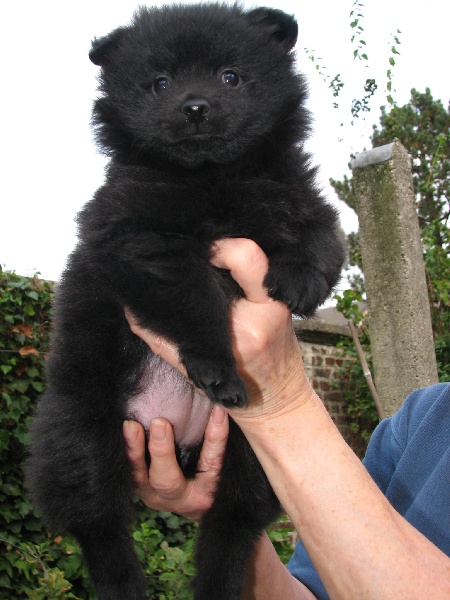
(266,350)
(163,486)
(264,344)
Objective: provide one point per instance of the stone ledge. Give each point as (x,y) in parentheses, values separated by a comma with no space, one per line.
(316,331)
(373,156)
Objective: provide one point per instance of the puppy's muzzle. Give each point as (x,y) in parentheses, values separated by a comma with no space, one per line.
(196,110)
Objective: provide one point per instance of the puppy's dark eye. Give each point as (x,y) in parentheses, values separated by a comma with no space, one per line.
(230,78)
(160,84)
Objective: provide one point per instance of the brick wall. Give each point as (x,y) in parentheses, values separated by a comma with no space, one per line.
(322,363)
(322,360)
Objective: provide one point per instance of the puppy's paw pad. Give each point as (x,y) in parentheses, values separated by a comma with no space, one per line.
(231,393)
(218,380)
(302,294)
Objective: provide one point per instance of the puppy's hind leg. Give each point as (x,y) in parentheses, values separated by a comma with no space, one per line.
(113,564)
(81,483)
(244,506)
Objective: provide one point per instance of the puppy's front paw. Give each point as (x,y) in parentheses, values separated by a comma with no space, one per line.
(302,289)
(219,381)
(230,393)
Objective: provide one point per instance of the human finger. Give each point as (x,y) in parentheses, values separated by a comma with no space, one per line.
(165,475)
(134,435)
(215,442)
(164,478)
(247,264)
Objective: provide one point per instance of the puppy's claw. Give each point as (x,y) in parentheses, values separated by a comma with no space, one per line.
(220,382)
(230,393)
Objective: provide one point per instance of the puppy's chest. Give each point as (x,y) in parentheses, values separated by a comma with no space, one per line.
(202,209)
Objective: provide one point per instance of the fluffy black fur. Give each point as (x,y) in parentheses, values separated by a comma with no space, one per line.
(202,114)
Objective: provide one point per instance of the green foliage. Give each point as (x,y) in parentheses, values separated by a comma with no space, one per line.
(24,323)
(360,404)
(356,17)
(165,549)
(31,576)
(423,127)
(361,104)
(436,243)
(34,564)
(442,347)
(279,535)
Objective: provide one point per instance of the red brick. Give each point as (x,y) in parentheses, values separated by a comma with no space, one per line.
(325,373)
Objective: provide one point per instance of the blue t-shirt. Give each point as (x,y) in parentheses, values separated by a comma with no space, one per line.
(408,456)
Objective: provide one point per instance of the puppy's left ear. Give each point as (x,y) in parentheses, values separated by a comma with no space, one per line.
(284,26)
(102,47)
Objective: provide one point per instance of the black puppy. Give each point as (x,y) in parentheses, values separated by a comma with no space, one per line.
(202,114)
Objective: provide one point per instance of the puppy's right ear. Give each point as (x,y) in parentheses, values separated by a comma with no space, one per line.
(283,26)
(102,47)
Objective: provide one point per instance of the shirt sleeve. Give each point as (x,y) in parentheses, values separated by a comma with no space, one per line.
(384,450)
(391,437)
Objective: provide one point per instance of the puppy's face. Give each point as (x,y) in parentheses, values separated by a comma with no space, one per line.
(195,85)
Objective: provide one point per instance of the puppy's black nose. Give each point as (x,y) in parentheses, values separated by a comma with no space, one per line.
(196,110)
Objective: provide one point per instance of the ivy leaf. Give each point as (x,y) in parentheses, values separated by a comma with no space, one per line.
(20,385)
(5,436)
(38,386)
(29,310)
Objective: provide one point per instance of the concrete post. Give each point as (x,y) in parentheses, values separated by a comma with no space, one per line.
(399,313)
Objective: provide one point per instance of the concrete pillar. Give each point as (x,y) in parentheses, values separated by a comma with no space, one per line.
(399,313)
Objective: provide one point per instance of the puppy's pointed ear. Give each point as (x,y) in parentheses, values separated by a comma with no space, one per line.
(284,27)
(101,47)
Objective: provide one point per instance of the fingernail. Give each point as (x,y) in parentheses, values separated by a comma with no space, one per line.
(130,432)
(158,430)
(218,415)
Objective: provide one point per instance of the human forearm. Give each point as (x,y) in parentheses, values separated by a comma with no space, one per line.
(361,547)
(266,578)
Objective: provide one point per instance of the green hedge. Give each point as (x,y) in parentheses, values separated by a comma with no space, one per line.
(35,564)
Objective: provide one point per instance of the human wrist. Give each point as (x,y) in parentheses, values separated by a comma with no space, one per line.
(293,411)
(283,390)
